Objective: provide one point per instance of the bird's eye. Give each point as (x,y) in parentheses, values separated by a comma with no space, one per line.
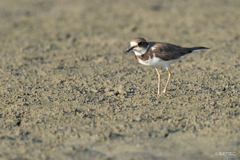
(140,43)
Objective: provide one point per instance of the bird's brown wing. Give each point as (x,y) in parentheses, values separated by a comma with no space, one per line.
(166,51)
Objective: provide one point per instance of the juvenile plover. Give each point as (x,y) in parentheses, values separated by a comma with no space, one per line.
(159,53)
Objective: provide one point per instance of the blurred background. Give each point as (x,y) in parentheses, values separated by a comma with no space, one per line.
(68,90)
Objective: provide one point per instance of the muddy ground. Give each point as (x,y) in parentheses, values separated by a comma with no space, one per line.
(68,91)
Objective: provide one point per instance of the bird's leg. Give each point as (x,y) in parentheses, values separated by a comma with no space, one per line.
(169,76)
(159,81)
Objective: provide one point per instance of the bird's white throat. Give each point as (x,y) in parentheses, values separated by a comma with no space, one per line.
(140,50)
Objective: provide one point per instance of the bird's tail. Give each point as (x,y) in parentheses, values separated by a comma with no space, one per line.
(195,49)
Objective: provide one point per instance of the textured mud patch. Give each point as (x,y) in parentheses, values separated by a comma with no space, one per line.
(67,90)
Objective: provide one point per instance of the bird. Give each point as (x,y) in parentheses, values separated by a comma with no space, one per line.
(159,53)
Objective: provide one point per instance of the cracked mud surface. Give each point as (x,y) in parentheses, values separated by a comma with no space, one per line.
(68,91)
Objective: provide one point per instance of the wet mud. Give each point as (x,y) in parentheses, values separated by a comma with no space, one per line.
(68,90)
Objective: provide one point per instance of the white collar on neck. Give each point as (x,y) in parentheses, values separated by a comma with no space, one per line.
(140,51)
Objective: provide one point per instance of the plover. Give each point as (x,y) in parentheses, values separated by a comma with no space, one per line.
(159,53)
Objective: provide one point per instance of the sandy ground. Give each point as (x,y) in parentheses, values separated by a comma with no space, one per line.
(68,91)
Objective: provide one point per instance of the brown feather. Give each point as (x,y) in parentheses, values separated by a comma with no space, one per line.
(167,51)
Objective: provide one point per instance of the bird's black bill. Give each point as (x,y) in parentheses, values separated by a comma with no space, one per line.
(129,49)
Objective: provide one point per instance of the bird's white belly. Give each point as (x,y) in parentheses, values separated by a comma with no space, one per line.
(154,61)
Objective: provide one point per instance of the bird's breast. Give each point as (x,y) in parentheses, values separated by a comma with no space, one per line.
(149,60)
